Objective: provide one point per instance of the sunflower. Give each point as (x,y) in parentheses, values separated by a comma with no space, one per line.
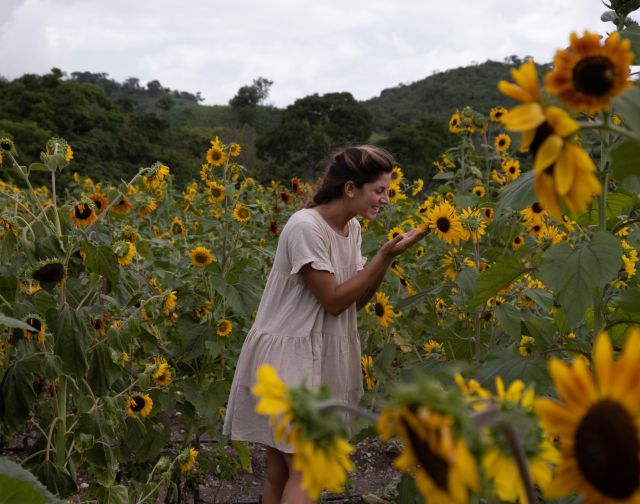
(200,256)
(420,251)
(534,213)
(502,142)
(418,184)
(100,201)
(596,422)
(393,232)
(454,123)
(170,307)
(216,192)
(68,154)
(443,467)
(517,402)
(383,310)
(588,74)
(526,342)
(123,206)
(125,252)
(396,174)
(140,404)
(496,113)
(445,222)
(49,271)
(526,88)
(241,213)
(439,167)
(38,325)
(473,224)
(148,206)
(224,327)
(9,224)
(273,228)
(511,168)
(216,156)
(285,197)
(395,192)
(435,348)
(161,375)
(488,213)
(234,150)
(188,458)
(296,186)
(367,368)
(517,242)
(177,227)
(83,214)
(478,190)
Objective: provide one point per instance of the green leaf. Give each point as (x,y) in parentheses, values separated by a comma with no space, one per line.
(102,371)
(21,486)
(512,367)
(242,449)
(617,203)
(543,298)
(467,280)
(70,336)
(444,176)
(14,323)
(509,316)
(115,494)
(18,396)
(578,275)
(505,270)
(56,479)
(102,260)
(627,107)
(624,159)
(633,34)
(518,194)
(38,167)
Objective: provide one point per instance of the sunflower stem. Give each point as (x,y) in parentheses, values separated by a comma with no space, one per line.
(61,431)
(55,205)
(331,405)
(520,457)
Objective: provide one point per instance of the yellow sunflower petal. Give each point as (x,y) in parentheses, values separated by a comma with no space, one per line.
(524,117)
(548,153)
(563,172)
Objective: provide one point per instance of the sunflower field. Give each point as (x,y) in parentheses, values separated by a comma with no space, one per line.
(501,355)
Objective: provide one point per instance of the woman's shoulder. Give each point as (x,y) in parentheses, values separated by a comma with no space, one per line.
(304,216)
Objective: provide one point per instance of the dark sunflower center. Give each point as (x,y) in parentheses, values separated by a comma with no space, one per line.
(216,155)
(243,213)
(223,327)
(35,323)
(443,224)
(137,403)
(606,448)
(537,228)
(392,193)
(5,145)
(433,464)
(98,203)
(201,257)
(512,170)
(83,211)
(50,273)
(216,192)
(594,76)
(379,309)
(177,229)
(536,207)
(517,240)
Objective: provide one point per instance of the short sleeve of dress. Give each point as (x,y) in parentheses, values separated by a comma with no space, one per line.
(307,245)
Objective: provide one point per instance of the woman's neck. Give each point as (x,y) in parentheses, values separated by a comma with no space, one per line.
(336,214)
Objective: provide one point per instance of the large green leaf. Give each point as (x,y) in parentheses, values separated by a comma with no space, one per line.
(467,280)
(102,260)
(617,203)
(509,316)
(18,396)
(70,336)
(510,367)
(505,270)
(627,107)
(56,479)
(633,34)
(624,159)
(13,323)
(578,275)
(518,194)
(102,371)
(20,486)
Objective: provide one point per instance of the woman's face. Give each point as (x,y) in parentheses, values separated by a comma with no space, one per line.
(372,196)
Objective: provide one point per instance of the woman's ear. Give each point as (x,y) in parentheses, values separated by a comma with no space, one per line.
(349,189)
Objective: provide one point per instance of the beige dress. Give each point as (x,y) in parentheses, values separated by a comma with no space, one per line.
(293,332)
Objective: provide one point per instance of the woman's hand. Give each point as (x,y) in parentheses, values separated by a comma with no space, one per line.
(403,241)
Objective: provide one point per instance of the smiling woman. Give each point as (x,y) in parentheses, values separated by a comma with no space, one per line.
(306,325)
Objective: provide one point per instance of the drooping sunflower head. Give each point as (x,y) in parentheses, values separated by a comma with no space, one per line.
(596,421)
(588,74)
(285,196)
(48,272)
(455,123)
(241,213)
(160,372)
(273,228)
(234,150)
(224,327)
(177,227)
(296,186)
(100,201)
(147,206)
(200,256)
(38,325)
(125,251)
(215,191)
(188,457)
(123,206)
(84,213)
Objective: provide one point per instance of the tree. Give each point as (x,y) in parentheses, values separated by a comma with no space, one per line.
(311,128)
(248,98)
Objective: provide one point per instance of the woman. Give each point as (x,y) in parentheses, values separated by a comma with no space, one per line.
(306,322)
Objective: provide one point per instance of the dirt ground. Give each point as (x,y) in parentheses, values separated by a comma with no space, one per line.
(374,473)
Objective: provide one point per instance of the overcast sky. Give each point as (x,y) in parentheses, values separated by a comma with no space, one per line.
(303,46)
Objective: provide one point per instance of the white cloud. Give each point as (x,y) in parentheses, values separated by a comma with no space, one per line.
(305,47)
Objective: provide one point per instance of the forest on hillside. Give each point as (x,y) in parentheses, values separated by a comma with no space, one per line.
(116,127)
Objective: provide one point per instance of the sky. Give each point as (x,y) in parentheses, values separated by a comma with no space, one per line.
(304,46)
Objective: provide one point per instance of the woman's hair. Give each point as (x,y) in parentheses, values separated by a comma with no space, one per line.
(360,164)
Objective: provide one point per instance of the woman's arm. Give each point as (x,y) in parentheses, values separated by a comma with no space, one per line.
(336,298)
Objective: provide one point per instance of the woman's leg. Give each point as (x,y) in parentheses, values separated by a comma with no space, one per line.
(277,475)
(293,491)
